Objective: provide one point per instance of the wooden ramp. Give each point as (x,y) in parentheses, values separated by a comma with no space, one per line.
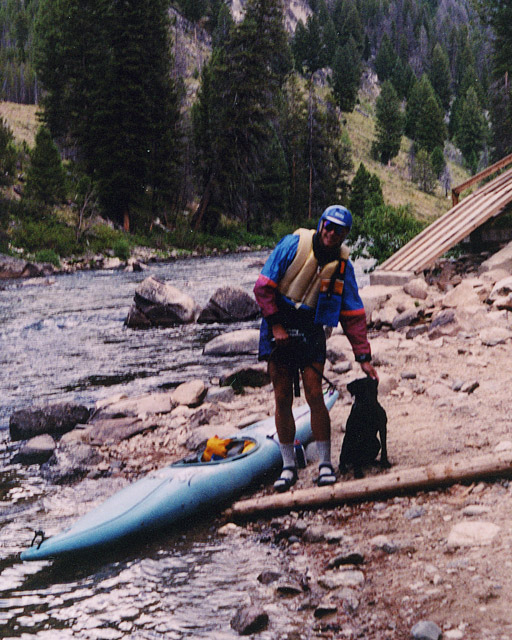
(420,253)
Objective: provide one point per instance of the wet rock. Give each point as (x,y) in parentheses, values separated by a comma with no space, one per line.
(252,376)
(190,393)
(69,463)
(426,630)
(250,620)
(474,533)
(229,304)
(136,319)
(244,341)
(163,304)
(268,577)
(38,450)
(54,419)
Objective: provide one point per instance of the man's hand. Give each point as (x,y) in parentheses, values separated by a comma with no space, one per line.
(280,334)
(370,370)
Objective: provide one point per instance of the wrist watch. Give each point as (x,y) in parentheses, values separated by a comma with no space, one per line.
(364,357)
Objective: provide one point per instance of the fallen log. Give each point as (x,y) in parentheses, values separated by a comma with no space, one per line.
(392,483)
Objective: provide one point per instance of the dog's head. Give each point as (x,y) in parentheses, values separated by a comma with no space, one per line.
(364,390)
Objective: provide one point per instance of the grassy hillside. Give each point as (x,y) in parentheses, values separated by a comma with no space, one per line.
(396,185)
(22,120)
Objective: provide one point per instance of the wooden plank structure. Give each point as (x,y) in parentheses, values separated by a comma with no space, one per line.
(463,218)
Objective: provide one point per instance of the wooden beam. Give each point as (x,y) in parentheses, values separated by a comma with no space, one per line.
(504,162)
(391,483)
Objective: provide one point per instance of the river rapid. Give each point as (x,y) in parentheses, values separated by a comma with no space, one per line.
(66,341)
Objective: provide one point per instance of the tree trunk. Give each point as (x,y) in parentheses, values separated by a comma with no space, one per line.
(198,216)
(388,484)
(126,222)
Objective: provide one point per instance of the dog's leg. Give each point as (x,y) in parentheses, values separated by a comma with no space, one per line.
(383,433)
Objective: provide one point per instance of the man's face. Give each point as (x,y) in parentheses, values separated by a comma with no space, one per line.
(332,235)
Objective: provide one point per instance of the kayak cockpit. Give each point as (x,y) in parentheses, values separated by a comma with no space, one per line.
(218,450)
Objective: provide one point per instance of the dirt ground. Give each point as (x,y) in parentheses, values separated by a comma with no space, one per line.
(414,574)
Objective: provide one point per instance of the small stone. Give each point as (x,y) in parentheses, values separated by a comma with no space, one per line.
(475,533)
(289,589)
(344,578)
(325,609)
(426,630)
(414,512)
(475,510)
(408,375)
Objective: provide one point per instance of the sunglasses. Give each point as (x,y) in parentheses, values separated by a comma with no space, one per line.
(332,226)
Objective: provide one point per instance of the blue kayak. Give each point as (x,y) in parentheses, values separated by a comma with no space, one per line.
(176,492)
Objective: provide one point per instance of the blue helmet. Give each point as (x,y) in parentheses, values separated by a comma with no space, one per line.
(337,214)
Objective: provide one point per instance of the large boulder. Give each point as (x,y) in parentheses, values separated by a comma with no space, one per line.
(229,304)
(234,343)
(36,451)
(54,419)
(70,462)
(164,305)
(16,268)
(500,260)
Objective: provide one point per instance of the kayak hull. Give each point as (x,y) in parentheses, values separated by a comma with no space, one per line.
(176,492)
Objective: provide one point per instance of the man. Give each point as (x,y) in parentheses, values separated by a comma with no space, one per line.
(306,283)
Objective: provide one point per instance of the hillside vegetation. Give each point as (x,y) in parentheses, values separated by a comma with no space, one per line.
(166,126)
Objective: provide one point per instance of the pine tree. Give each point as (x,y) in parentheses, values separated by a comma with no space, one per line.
(346,75)
(105,68)
(424,118)
(389,124)
(385,60)
(236,113)
(471,134)
(440,77)
(431,130)
(46,179)
(438,161)
(423,172)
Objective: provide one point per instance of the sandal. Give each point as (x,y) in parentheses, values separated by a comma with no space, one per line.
(326,479)
(285,483)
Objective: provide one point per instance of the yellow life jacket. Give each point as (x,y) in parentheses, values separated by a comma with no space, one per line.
(304,279)
(218,448)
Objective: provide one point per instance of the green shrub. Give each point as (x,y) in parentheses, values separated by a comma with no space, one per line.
(48,255)
(385,230)
(122,249)
(35,235)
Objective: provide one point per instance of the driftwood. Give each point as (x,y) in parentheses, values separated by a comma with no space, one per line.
(392,483)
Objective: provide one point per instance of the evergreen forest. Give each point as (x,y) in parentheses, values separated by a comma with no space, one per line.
(251,137)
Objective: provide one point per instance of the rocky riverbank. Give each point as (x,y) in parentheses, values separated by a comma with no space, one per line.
(427,565)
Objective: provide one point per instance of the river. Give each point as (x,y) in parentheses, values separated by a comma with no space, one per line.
(66,341)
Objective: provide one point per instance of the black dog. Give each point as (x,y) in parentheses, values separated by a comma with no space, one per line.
(367,419)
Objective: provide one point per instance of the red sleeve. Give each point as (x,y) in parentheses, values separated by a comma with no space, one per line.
(354,326)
